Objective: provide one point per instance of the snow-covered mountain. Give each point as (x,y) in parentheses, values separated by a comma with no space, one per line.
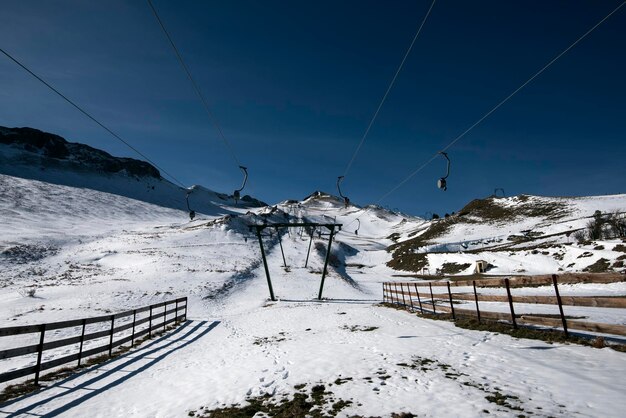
(33,154)
(68,252)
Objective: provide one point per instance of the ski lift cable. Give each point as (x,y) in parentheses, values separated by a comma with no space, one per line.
(393,80)
(205,105)
(380,105)
(496,107)
(84,112)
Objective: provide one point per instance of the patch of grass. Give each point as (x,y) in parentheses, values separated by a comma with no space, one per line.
(317,403)
(502,400)
(490,210)
(269,340)
(13,391)
(600,266)
(359,328)
(408,261)
(341,381)
(493,395)
(394,237)
(454,268)
(620,248)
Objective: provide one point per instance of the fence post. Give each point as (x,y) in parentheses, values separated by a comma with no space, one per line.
(176,313)
(150,324)
(402,290)
(390,292)
(418,298)
(395,286)
(558,299)
(40,354)
(111,337)
(164,316)
(476,300)
(132,337)
(432,298)
(82,340)
(508,293)
(451,305)
(186,304)
(408,288)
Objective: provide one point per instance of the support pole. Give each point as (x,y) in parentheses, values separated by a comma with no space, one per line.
(280,242)
(508,293)
(558,299)
(309,250)
(267,271)
(330,242)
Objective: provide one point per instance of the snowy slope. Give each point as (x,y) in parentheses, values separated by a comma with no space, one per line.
(88,252)
(520,234)
(33,154)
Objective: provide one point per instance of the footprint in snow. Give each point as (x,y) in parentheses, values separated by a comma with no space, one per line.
(268,384)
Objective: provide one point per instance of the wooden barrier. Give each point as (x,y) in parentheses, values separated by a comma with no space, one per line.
(152,319)
(444,302)
(525,281)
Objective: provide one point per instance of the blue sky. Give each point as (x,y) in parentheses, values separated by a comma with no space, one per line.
(294,85)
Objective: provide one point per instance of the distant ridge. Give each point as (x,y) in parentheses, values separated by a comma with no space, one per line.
(33,154)
(73,154)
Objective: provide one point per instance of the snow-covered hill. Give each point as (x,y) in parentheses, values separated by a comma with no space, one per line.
(520,234)
(33,154)
(85,252)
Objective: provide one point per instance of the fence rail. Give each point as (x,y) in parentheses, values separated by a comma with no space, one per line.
(420,296)
(153,319)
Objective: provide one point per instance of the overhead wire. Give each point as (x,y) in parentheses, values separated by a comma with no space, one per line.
(384,98)
(84,112)
(496,107)
(381,103)
(205,105)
